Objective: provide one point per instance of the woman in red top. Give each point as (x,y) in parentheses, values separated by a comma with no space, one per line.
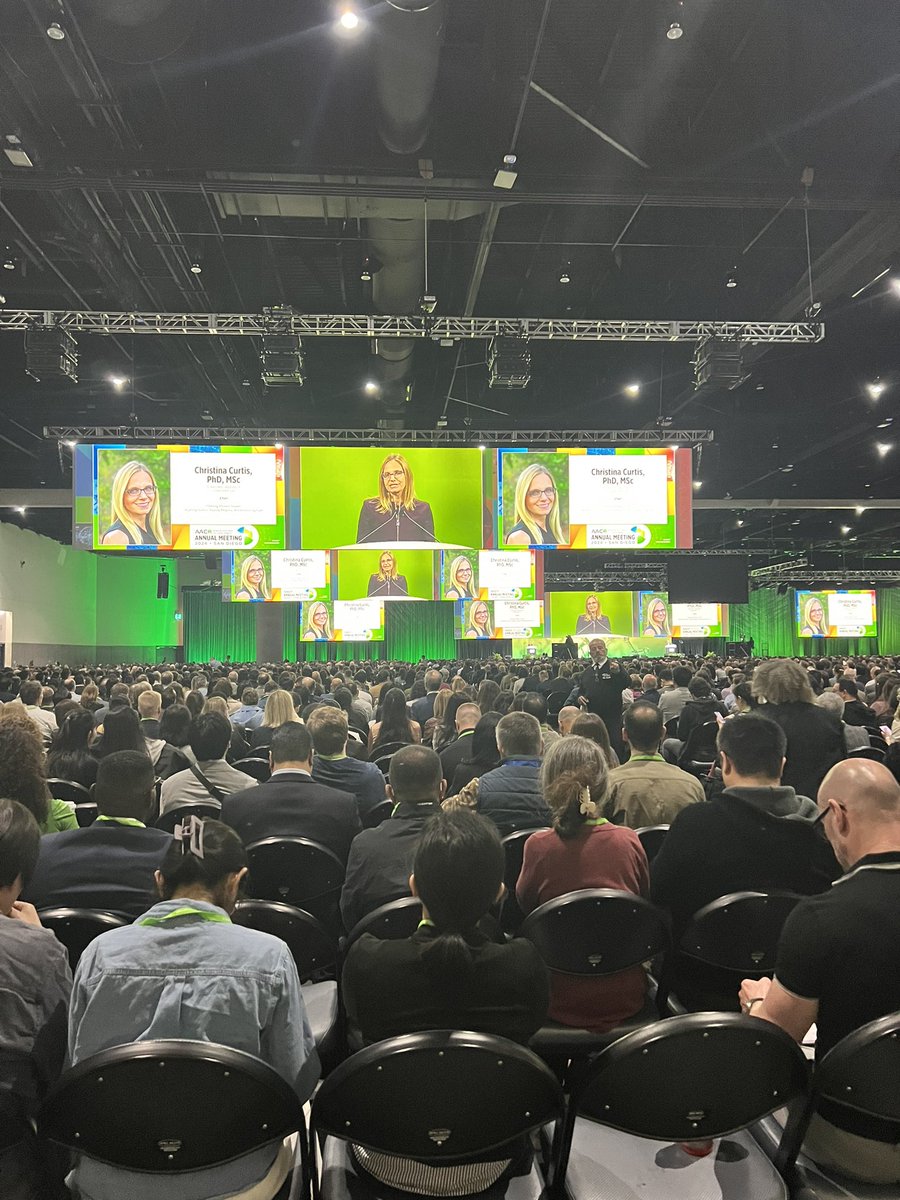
(583,850)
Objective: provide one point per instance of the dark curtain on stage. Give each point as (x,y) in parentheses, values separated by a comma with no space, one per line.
(769,619)
(213,629)
(411,630)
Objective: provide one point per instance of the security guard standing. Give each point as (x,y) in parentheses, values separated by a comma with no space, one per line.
(599,690)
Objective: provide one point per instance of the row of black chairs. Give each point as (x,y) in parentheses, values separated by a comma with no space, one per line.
(634,1123)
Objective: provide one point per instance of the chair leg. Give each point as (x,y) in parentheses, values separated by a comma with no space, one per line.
(300,1180)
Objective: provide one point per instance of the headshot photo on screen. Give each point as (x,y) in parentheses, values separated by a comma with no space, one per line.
(477,622)
(317,627)
(460,582)
(592,619)
(387,581)
(539,515)
(813,623)
(656,618)
(252,579)
(133,515)
(395,514)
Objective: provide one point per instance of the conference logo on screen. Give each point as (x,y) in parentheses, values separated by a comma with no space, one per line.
(611,536)
(214,537)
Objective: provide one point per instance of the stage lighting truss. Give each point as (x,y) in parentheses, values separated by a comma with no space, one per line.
(509,363)
(50,353)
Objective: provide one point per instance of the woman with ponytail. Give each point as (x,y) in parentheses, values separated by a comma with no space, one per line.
(183,970)
(448,975)
(583,850)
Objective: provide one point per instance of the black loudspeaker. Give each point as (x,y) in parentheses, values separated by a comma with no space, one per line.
(162,586)
(212,562)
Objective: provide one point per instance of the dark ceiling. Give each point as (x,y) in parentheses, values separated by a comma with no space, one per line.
(134,118)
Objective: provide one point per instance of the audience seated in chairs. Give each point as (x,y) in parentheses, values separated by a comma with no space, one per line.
(69,756)
(837,964)
(291,803)
(510,795)
(589,725)
(279,710)
(110,864)
(332,765)
(31,695)
(646,790)
(448,975)
(583,850)
(35,984)
(483,754)
(394,724)
(209,778)
(22,774)
(183,970)
(381,859)
(161,754)
(237,745)
(466,720)
(175,730)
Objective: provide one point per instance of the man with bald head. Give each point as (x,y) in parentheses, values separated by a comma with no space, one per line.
(838,963)
(566,717)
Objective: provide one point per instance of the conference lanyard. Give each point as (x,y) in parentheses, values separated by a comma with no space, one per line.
(595,821)
(646,758)
(188,911)
(131,822)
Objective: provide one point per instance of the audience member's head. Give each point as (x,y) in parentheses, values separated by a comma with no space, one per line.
(847,688)
(210,737)
(121,731)
(519,736)
(592,727)
(832,703)
(432,680)
(744,700)
(20,840)
(751,752)
(125,785)
(31,692)
(206,861)
(149,706)
(292,745)
(574,777)
(681,676)
(467,716)
(250,697)
(175,725)
(328,728)
(22,762)
(534,703)
(488,692)
(194,702)
(415,776)
(567,714)
(279,709)
(643,727)
(859,803)
(484,749)
(780,681)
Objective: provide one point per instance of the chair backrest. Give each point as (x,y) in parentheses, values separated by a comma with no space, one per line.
(175,816)
(875,753)
(739,932)
(693,1077)
(651,838)
(312,947)
(77,927)
(120,1107)
(597,931)
(85,814)
(413,1096)
(70,791)
(671,727)
(862,1070)
(700,746)
(294,870)
(390,922)
(511,916)
(379,813)
(876,740)
(256,768)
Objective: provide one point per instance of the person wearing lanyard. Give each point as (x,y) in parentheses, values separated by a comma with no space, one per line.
(647,790)
(599,690)
(183,970)
(837,964)
(583,850)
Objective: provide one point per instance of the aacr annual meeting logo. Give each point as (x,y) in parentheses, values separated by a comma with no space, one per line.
(215,537)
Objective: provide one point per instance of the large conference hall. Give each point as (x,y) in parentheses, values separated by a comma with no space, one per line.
(449,599)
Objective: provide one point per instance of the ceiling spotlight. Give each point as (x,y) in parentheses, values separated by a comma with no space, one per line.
(482,447)
(349,19)
(884,448)
(371,387)
(366,272)
(279,445)
(9,263)
(564,276)
(196,268)
(698,483)
(885,424)
(56,32)
(20,509)
(428,303)
(71,444)
(845,529)
(859,510)
(118,381)
(731,279)
(674,32)
(632,389)
(895,283)
(506,174)
(876,388)
(739,523)
(2,298)
(787,468)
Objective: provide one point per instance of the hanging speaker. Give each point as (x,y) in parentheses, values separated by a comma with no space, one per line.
(162,586)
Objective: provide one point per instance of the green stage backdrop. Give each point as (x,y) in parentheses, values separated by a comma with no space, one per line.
(355,568)
(566,607)
(336,480)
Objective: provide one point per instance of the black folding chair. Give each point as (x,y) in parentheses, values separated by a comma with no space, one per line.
(860,1075)
(638,1118)
(511,916)
(391,922)
(651,838)
(313,949)
(699,751)
(381,812)
(256,768)
(175,816)
(76,928)
(298,871)
(136,1107)
(442,1099)
(70,791)
(871,752)
(730,939)
(381,755)
(595,933)
(85,814)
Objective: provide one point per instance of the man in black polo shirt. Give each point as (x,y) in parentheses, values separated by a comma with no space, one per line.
(599,690)
(837,962)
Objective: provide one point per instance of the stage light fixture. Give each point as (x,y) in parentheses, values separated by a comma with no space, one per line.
(281,356)
(731,279)
(349,19)
(9,263)
(196,268)
(633,390)
(884,448)
(50,353)
(886,423)
(2,298)
(509,363)
(698,484)
(506,173)
(845,529)
(674,32)
(718,363)
(371,387)
(876,388)
(366,272)
(564,276)
(56,32)
(118,381)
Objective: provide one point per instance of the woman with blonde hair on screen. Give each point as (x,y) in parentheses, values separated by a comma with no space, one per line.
(395,515)
(479,624)
(387,581)
(813,624)
(135,510)
(536,510)
(253,584)
(460,579)
(318,626)
(592,620)
(657,619)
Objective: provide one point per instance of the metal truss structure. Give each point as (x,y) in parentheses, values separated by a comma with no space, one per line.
(438,328)
(832,575)
(210,434)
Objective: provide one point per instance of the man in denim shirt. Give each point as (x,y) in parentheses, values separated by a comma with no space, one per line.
(183,970)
